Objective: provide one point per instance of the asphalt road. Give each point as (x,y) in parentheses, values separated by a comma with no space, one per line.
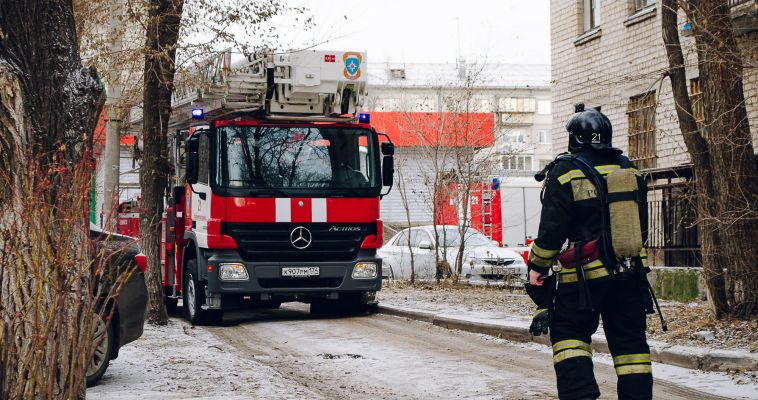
(379,356)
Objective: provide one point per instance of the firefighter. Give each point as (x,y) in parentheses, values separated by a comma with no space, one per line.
(601,271)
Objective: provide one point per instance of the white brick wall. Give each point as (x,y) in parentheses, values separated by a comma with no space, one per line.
(622,62)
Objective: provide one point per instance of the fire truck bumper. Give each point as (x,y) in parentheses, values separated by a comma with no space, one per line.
(236,280)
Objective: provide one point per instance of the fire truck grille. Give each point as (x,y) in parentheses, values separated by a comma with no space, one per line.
(274,241)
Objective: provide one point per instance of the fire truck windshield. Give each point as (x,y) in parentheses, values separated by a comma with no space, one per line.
(296,157)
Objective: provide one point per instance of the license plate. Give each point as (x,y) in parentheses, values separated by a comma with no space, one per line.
(300,272)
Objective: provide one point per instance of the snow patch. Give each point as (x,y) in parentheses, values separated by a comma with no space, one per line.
(179,361)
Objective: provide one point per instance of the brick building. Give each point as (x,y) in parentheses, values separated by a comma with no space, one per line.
(611,53)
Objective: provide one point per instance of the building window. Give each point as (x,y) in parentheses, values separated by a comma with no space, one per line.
(544,163)
(641,112)
(520,163)
(591,14)
(544,137)
(698,109)
(640,4)
(544,107)
(517,104)
(516,136)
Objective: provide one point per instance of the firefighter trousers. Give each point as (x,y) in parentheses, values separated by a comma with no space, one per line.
(620,304)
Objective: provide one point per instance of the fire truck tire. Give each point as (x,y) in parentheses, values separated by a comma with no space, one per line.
(194,297)
(172,304)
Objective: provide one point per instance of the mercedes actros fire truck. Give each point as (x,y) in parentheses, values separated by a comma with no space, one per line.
(277,188)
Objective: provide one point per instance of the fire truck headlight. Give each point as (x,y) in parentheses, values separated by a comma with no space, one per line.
(365,270)
(232,272)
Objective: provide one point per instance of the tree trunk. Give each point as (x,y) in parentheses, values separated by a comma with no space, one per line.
(725,178)
(735,182)
(49,105)
(160,65)
(402,187)
(700,157)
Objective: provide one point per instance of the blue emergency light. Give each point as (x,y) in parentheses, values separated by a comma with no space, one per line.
(198,113)
(495,183)
(364,118)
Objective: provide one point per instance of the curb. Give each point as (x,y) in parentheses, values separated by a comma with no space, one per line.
(682,356)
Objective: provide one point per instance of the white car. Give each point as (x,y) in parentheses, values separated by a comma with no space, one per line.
(482,258)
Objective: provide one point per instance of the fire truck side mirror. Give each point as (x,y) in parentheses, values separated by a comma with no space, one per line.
(193,143)
(388,170)
(388,149)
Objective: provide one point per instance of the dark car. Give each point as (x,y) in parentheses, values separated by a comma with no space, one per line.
(127,313)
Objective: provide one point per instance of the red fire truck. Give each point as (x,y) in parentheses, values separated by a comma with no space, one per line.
(278,184)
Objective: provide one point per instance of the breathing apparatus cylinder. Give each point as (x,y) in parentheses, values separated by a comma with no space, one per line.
(626,232)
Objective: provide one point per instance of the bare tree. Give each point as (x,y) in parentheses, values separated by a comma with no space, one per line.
(722,154)
(164,21)
(173,31)
(402,188)
(455,157)
(474,157)
(432,139)
(48,109)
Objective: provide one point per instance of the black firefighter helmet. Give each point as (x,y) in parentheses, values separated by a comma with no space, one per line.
(589,130)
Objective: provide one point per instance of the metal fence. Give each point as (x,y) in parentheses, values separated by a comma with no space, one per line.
(673,238)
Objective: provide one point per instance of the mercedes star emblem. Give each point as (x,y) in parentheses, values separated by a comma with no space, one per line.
(300,238)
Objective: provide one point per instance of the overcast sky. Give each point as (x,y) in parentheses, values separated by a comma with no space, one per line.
(508,31)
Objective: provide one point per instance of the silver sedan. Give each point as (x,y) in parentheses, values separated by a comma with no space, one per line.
(483,259)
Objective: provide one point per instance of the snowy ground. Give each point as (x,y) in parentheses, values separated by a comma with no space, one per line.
(289,354)
(689,323)
(179,361)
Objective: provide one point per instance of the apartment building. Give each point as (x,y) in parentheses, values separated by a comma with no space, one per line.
(510,105)
(611,54)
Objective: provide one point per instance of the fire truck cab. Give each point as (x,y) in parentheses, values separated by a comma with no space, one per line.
(277,189)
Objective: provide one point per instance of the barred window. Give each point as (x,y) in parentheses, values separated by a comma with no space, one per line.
(641,112)
(696,98)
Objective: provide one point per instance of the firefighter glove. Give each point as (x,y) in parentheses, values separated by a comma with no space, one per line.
(541,322)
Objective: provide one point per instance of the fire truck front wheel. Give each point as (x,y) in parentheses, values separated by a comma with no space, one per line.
(194,298)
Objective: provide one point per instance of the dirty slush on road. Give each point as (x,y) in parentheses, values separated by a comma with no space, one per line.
(291,354)
(378,356)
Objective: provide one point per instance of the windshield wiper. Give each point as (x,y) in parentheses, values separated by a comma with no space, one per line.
(268,192)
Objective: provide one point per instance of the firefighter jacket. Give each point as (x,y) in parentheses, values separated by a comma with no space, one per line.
(571,210)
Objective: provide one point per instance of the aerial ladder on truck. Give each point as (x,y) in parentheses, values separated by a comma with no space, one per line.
(276,185)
